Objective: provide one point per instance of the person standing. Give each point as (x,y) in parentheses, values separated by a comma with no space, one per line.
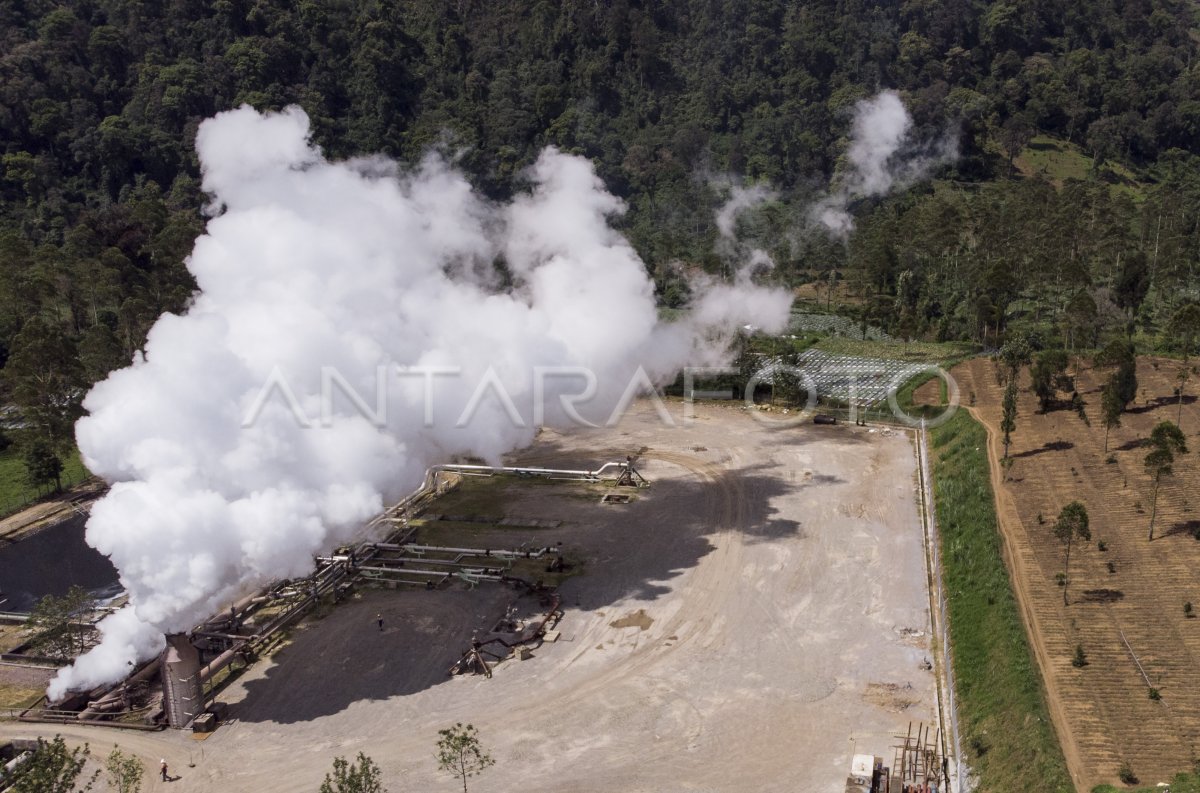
(379,621)
(163,770)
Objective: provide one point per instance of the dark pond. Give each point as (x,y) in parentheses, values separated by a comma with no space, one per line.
(49,562)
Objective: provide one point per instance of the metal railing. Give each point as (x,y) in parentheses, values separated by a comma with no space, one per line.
(947,701)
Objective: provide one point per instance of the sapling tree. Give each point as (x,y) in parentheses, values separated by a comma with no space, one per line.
(1166,442)
(361,776)
(124,771)
(460,752)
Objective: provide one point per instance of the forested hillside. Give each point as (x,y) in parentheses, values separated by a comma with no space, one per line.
(100,101)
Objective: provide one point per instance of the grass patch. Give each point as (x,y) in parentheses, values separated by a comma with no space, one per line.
(490,496)
(905,395)
(1058,161)
(15,492)
(1006,726)
(468,535)
(475,495)
(18,697)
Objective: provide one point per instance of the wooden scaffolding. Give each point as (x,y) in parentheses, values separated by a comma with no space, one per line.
(919,763)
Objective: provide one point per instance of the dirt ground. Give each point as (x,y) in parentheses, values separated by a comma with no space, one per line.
(747,623)
(1132,613)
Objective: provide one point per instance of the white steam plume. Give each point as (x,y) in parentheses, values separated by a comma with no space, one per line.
(882,156)
(746,259)
(358,267)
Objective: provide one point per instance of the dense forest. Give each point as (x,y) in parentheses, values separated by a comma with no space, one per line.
(100,101)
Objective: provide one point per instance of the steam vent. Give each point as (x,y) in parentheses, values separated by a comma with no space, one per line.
(182,695)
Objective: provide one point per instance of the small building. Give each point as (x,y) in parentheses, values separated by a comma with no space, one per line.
(867,775)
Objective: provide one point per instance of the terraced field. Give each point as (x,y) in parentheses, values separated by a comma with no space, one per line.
(1127,602)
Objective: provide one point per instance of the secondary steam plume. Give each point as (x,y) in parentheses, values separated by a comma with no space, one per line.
(746,259)
(882,155)
(234,445)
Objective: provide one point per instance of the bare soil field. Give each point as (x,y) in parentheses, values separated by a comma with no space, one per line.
(1127,602)
(747,623)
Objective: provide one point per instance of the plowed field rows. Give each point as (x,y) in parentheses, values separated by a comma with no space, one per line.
(1103,711)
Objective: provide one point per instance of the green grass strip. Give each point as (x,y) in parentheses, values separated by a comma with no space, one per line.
(1007,734)
(15,491)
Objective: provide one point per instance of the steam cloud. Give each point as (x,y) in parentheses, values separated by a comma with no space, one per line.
(747,258)
(882,156)
(353,265)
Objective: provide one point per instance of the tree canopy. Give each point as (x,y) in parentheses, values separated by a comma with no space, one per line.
(100,101)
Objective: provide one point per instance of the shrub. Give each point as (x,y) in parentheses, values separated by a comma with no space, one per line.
(1187,610)
(1126,775)
(1102,545)
(1112,567)
(1080,659)
(1155,694)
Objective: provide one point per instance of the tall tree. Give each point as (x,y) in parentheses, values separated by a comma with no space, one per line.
(43,466)
(1015,353)
(1049,376)
(1111,408)
(46,380)
(56,623)
(1072,522)
(1184,329)
(1008,422)
(1166,441)
(1121,386)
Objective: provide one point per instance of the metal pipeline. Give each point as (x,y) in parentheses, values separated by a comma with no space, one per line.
(487,470)
(429,573)
(16,762)
(484,552)
(114,694)
(234,637)
(220,662)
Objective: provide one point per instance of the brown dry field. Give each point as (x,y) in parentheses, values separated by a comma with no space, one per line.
(1103,711)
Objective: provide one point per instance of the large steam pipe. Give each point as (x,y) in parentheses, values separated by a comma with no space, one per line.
(114,694)
(406,571)
(220,662)
(502,554)
(487,470)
